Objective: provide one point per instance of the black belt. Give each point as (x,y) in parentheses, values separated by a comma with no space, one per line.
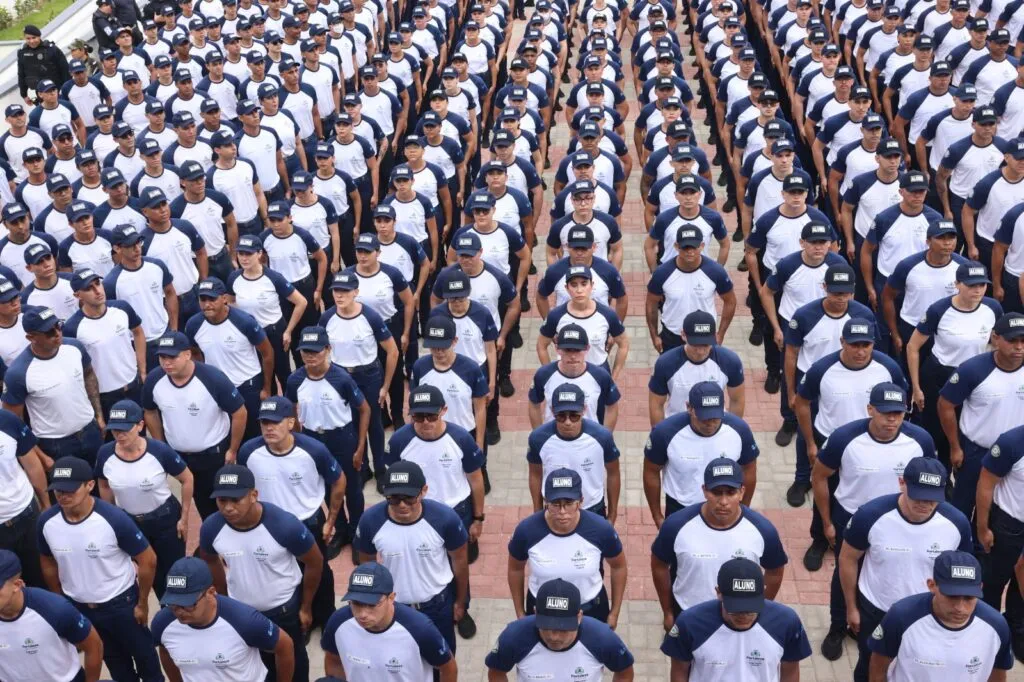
(359,369)
(25,513)
(167,508)
(433,601)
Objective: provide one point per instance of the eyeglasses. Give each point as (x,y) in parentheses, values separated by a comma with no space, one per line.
(55,330)
(429,418)
(562,505)
(563,417)
(398,500)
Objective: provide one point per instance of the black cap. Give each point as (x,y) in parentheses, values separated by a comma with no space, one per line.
(840,279)
(558,606)
(440,332)
(232,481)
(699,328)
(404,477)
(1010,326)
(572,337)
(426,399)
(69,473)
(741,583)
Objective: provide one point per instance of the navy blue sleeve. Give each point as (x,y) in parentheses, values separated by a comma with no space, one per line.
(287,530)
(129,537)
(253,627)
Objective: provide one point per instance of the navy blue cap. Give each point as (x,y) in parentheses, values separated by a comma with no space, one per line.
(324,150)
(232,481)
(941,227)
(149,146)
(188,579)
(191,170)
(182,75)
(481,199)
(508,114)
(684,152)
(36,253)
(889,147)
(795,182)
(494,166)
(13,211)
(385,211)
(924,42)
(558,606)
(266,90)
(1010,326)
(276,409)
(563,484)
(440,332)
(722,471)
(223,138)
(957,574)
(60,130)
(84,156)
(278,210)
(209,104)
(125,235)
(503,138)
(1016,148)
(582,158)
(368,71)
(69,473)
(121,129)
(578,272)
(859,330)
(888,397)
(76,66)
(15,110)
(782,145)
(129,75)
(404,477)
(972,273)
(999,35)
(345,281)
(467,244)
(56,182)
(10,565)
(152,197)
(38,318)
(941,69)
(212,287)
(8,290)
(32,153)
(426,399)
(154,107)
(816,231)
(707,400)
(183,119)
(741,584)
(925,478)
(172,343)
(313,339)
(124,415)
(840,279)
(456,286)
(689,236)
(249,244)
(590,129)
(369,582)
(699,328)
(367,242)
(582,187)
(402,172)
(872,121)
(914,181)
(302,181)
(83,278)
(46,85)
(572,337)
(580,236)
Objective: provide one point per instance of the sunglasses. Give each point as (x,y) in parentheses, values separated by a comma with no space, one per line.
(429,418)
(399,500)
(563,417)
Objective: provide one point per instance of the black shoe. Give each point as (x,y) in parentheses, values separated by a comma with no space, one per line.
(473,552)
(533,269)
(525,306)
(547,165)
(742,266)
(493,436)
(755,338)
(785,434)
(772,384)
(814,556)
(366,474)
(796,495)
(333,548)
(737,236)
(466,627)
(565,76)
(1017,644)
(516,339)
(722,180)
(832,645)
(487,480)
(505,387)
(380,485)
(730,205)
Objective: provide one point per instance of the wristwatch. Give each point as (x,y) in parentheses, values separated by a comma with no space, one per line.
(480,518)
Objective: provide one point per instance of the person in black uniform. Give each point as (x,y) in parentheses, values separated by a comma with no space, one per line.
(39,60)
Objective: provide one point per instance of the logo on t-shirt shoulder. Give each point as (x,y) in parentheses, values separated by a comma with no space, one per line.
(878,633)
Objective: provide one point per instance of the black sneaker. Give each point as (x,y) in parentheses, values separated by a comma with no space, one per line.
(832,645)
(796,495)
(1017,644)
(784,436)
(487,480)
(515,339)
(505,387)
(722,180)
(742,266)
(533,269)
(737,235)
(380,486)
(524,306)
(815,555)
(493,436)
(466,627)
(473,552)
(333,548)
(755,338)
(730,205)
(772,383)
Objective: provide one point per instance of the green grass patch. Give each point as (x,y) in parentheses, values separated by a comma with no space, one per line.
(46,13)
